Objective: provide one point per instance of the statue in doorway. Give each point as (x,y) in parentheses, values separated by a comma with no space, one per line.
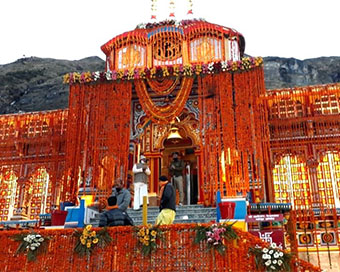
(176,171)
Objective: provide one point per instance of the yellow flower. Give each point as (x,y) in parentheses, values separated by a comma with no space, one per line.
(82,241)
(88,245)
(66,79)
(95,241)
(93,234)
(146,243)
(88,227)
(153,233)
(146,238)
(141,240)
(141,232)
(147,231)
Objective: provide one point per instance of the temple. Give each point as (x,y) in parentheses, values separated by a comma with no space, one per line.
(274,148)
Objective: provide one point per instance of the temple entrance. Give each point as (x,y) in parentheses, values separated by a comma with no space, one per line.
(186,150)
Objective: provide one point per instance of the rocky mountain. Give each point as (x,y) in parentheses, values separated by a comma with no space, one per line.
(35,84)
(286,73)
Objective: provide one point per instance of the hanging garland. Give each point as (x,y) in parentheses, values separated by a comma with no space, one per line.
(245,64)
(163,114)
(163,86)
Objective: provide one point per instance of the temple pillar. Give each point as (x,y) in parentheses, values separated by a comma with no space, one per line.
(198,154)
(312,165)
(21,205)
(154,160)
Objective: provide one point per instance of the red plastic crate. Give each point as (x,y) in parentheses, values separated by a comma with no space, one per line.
(58,218)
(227,210)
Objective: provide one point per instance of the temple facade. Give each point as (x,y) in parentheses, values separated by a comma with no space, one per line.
(236,138)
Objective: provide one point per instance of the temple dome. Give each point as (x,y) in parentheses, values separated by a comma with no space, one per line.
(173,43)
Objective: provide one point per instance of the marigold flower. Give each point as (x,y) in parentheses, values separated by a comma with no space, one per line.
(82,241)
(146,243)
(93,234)
(153,233)
(95,241)
(88,245)
(88,227)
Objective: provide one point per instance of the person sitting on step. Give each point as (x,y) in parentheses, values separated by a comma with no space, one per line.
(114,216)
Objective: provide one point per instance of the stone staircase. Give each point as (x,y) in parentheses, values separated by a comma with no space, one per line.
(184,214)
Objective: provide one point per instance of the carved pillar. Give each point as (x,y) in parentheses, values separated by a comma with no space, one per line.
(21,209)
(154,159)
(312,165)
(198,154)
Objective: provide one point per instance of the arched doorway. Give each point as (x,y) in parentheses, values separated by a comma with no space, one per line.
(185,147)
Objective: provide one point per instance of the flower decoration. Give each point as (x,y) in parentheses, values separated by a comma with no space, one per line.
(147,237)
(31,243)
(271,258)
(245,64)
(88,239)
(215,236)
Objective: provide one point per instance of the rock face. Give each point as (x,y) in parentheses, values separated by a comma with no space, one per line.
(286,73)
(35,84)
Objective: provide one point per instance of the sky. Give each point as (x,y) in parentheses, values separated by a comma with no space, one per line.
(75,29)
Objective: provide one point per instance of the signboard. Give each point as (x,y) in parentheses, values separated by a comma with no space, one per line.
(273,236)
(264,217)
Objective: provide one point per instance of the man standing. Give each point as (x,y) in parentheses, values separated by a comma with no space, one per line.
(123,195)
(176,170)
(167,205)
(141,172)
(114,216)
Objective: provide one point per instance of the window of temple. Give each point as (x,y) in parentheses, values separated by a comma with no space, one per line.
(7,131)
(328,173)
(327,104)
(39,193)
(286,109)
(205,49)
(131,56)
(8,187)
(291,182)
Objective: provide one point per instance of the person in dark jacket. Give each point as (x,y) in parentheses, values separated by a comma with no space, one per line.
(167,205)
(114,216)
(123,195)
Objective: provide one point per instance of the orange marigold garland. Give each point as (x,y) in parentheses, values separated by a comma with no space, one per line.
(164,114)
(31,243)
(88,239)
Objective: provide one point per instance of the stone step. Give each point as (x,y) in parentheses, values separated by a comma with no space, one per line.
(153,220)
(184,214)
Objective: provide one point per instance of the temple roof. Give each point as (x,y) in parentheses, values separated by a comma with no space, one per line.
(186,29)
